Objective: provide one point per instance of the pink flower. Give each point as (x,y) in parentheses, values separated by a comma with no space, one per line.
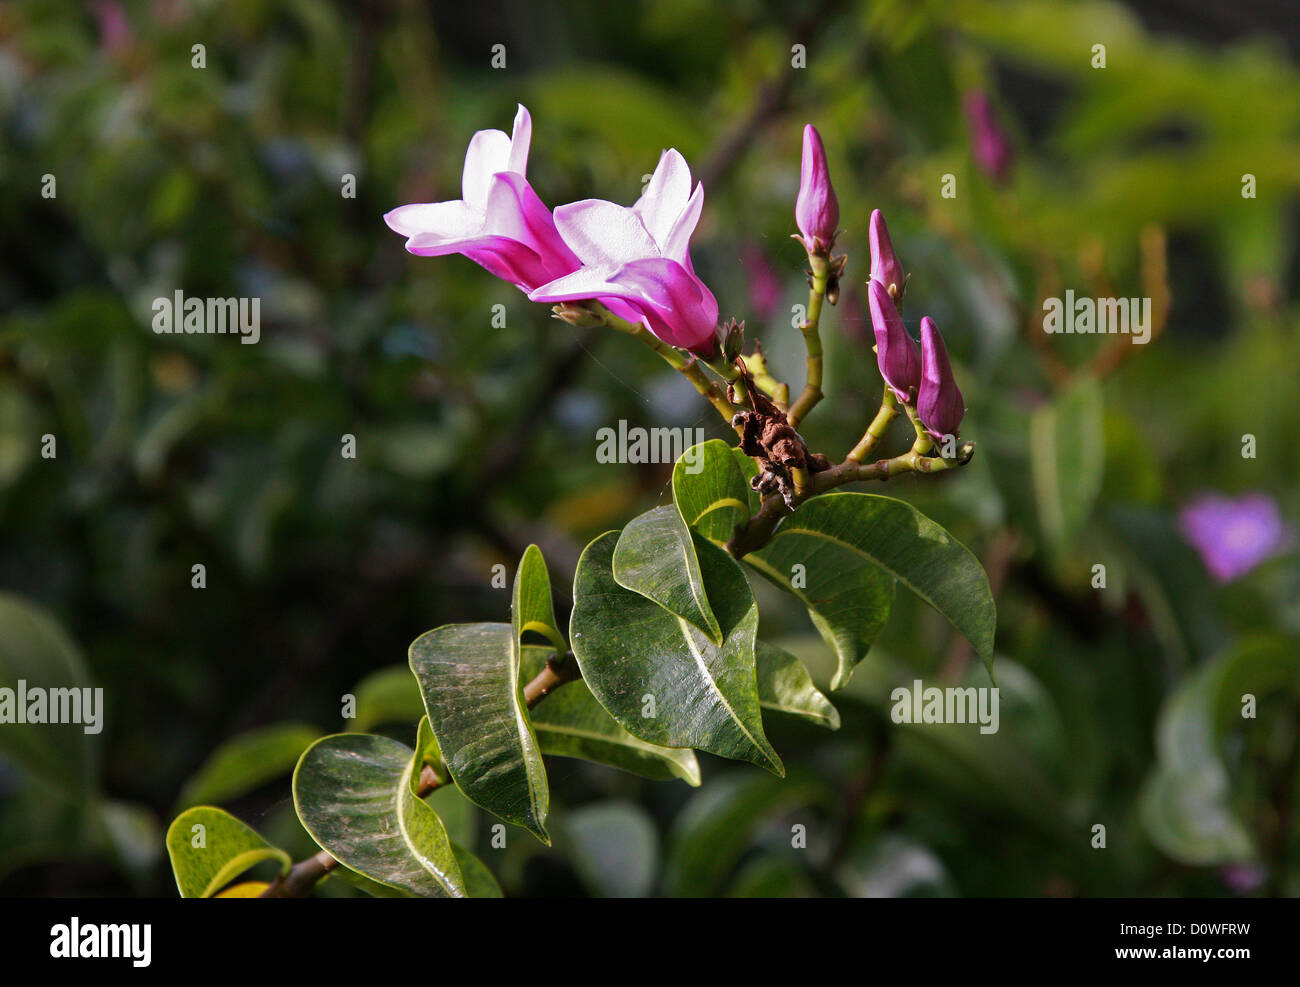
(1233,536)
(816,210)
(499,223)
(637,261)
(989,144)
(885,267)
(939,404)
(896,352)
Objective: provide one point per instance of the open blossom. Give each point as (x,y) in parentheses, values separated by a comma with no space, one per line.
(896,352)
(1233,536)
(816,210)
(499,222)
(637,261)
(885,267)
(989,144)
(939,404)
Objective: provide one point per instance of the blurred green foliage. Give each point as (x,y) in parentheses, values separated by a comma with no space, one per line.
(1121,707)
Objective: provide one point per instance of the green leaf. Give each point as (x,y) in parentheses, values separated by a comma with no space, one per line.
(469,677)
(247,761)
(532,609)
(715,828)
(571,723)
(387,695)
(209,848)
(748,470)
(1068,457)
(848,597)
(660,677)
(1187,803)
(710,490)
(34,650)
(614,848)
(355,797)
(898,538)
(784,685)
(656,556)
(479,881)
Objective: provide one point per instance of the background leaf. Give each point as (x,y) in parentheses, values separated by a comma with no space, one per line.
(246,761)
(1067,457)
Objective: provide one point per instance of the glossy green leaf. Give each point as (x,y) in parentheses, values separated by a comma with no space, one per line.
(905,543)
(571,723)
(532,610)
(659,676)
(209,848)
(354,796)
(469,678)
(656,556)
(479,880)
(784,685)
(247,761)
(710,491)
(848,596)
(1068,455)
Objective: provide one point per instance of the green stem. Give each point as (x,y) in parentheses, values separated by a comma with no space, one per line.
(756,533)
(687,366)
(812,390)
(879,425)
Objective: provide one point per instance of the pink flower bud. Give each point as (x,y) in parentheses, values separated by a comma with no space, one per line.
(939,404)
(885,267)
(816,210)
(896,352)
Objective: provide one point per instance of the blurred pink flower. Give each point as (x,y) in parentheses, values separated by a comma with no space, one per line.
(989,143)
(114,29)
(764,285)
(1233,536)
(637,261)
(499,223)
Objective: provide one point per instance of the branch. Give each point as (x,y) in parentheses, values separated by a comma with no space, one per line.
(756,533)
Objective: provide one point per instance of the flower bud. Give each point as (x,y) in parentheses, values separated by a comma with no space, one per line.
(896,352)
(816,210)
(885,267)
(939,404)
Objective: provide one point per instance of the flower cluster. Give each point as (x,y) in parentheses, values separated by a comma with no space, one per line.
(636,262)
(922,379)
